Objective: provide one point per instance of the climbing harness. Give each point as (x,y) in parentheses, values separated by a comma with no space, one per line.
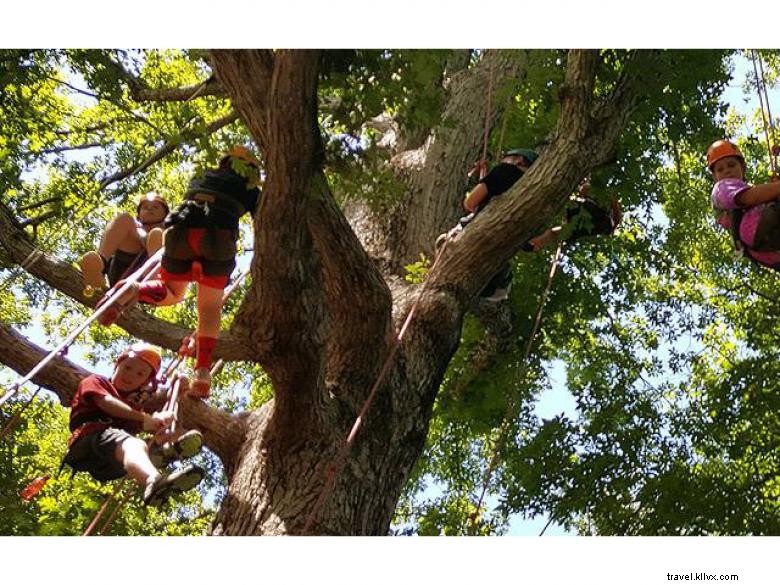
(514,401)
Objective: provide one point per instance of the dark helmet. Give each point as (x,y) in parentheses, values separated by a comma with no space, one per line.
(529,155)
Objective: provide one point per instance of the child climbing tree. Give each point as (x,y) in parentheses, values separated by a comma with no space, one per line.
(339,221)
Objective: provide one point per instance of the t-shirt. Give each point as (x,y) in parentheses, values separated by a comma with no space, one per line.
(500,179)
(724,199)
(84,409)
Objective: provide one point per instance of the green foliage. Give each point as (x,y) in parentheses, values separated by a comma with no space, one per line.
(667,345)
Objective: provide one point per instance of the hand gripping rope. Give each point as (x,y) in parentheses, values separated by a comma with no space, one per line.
(141,275)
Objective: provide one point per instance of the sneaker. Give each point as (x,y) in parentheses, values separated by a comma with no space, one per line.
(500,294)
(186,446)
(128,298)
(92,267)
(154,241)
(201,385)
(158,491)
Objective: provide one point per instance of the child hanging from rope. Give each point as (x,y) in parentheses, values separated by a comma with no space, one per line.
(751,213)
(200,245)
(127,243)
(106,415)
(586,216)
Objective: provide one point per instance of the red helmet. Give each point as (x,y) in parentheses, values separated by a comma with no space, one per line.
(722,149)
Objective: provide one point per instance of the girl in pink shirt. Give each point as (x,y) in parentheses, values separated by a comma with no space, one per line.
(751,213)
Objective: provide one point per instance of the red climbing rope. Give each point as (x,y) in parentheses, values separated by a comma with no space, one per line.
(488,112)
(338,462)
(513,403)
(762,97)
(11,424)
(102,509)
(142,274)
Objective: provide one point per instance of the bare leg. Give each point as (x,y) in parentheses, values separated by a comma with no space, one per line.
(209,313)
(121,234)
(134,455)
(209,310)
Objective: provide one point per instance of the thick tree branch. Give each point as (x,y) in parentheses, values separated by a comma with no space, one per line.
(358,300)
(61,376)
(223,432)
(67,280)
(249,94)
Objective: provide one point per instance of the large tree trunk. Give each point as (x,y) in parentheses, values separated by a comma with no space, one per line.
(322,313)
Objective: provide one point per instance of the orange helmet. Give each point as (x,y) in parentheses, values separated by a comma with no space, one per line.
(244,154)
(143,351)
(721,149)
(152,196)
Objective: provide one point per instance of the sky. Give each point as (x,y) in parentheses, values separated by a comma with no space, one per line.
(554,401)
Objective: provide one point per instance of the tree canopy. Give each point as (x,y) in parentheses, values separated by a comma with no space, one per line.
(668,344)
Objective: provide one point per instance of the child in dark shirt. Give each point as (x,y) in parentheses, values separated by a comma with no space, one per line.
(200,245)
(587,217)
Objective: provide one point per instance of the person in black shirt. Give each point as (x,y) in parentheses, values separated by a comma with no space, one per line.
(200,245)
(587,217)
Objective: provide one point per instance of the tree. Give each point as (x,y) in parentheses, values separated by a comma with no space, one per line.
(364,156)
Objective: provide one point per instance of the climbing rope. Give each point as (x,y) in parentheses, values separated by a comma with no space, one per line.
(488,113)
(141,275)
(763,99)
(11,424)
(335,467)
(514,400)
(100,512)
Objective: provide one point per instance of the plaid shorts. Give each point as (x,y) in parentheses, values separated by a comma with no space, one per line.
(94,453)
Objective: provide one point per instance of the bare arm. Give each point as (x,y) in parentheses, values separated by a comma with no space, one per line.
(759,194)
(119,409)
(475,198)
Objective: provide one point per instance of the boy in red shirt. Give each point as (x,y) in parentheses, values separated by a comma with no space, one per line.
(105,419)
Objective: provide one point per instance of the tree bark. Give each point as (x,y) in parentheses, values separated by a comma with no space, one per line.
(321,318)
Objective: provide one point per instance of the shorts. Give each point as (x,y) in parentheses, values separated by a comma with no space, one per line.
(120,264)
(589,220)
(94,453)
(213,249)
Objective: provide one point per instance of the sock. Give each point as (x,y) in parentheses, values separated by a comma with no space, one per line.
(205,349)
(152,292)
